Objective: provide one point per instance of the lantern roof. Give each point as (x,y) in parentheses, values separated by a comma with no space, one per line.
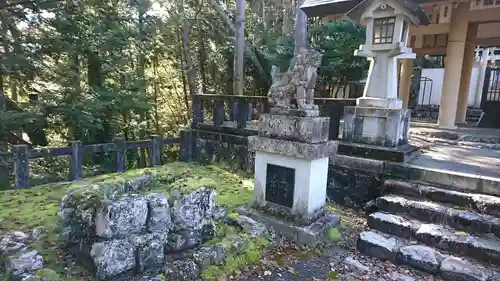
(354,9)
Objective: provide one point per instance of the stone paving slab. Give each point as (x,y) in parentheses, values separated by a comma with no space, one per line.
(478,161)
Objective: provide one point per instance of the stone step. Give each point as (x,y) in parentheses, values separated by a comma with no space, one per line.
(400,251)
(432,212)
(486,204)
(479,247)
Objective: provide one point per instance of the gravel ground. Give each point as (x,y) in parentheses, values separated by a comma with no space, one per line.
(338,262)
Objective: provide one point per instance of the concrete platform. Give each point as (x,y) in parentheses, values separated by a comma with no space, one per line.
(471,160)
(466,169)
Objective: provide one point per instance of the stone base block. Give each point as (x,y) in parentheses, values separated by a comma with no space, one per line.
(310,234)
(294,128)
(308,151)
(313,112)
(376,126)
(290,187)
(402,153)
(380,103)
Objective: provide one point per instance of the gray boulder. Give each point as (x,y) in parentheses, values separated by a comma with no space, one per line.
(182,270)
(182,241)
(19,266)
(187,216)
(252,227)
(219,213)
(112,258)
(139,182)
(152,278)
(37,233)
(12,243)
(208,230)
(210,255)
(123,217)
(189,210)
(238,245)
(159,213)
(149,250)
(355,264)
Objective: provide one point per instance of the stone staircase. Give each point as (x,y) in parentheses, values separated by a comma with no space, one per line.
(473,116)
(449,233)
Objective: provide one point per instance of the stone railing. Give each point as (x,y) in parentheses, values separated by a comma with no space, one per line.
(221,125)
(244,109)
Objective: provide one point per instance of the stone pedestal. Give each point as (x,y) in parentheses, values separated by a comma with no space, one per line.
(377,133)
(376,126)
(291,169)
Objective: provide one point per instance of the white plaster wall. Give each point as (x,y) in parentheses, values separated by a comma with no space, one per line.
(437,75)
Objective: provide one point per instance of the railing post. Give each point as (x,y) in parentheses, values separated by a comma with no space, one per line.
(21,165)
(242,116)
(4,173)
(186,147)
(266,108)
(156,149)
(234,110)
(218,113)
(197,111)
(121,152)
(334,111)
(250,109)
(76,160)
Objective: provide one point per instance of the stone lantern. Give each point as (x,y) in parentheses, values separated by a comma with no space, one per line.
(378,119)
(386,24)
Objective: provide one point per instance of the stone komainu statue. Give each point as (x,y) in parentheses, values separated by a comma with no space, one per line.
(298,82)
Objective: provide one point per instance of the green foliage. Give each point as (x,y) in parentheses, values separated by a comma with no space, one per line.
(334,235)
(99,69)
(337,40)
(237,260)
(46,274)
(332,276)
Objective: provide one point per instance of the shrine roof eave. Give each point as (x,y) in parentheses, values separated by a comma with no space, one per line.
(415,11)
(321,8)
(353,9)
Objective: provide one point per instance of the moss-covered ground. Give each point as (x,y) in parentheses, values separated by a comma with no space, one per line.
(38,206)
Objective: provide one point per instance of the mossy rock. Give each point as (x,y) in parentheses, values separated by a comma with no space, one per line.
(334,235)
(46,274)
(39,206)
(241,249)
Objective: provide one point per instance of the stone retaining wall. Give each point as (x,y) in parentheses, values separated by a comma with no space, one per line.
(118,229)
(347,184)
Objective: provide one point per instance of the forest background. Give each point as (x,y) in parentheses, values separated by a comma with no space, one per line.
(93,70)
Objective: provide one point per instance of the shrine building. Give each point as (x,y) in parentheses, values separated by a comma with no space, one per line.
(455,29)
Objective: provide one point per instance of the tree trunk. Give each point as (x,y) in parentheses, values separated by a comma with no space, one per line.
(155,95)
(300,27)
(190,70)
(248,47)
(3,106)
(75,130)
(183,75)
(239,48)
(263,13)
(141,66)
(4,167)
(202,53)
